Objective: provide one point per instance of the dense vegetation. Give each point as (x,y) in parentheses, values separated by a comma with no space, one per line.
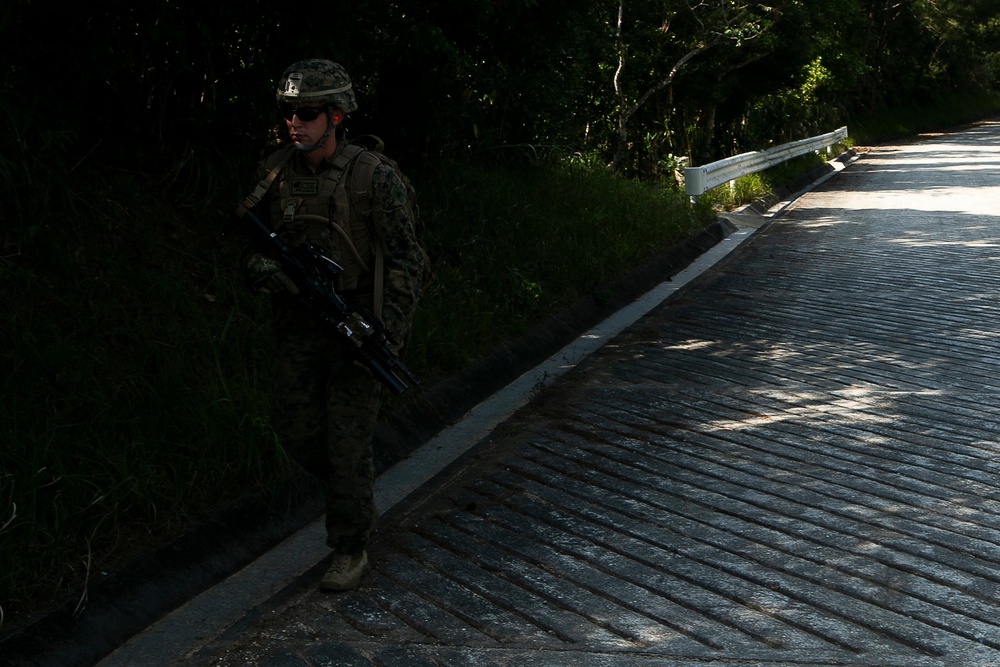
(544,137)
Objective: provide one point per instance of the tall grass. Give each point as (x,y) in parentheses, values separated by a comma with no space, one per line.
(757,186)
(515,244)
(131,386)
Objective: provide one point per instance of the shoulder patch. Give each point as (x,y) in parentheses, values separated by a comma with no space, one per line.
(399,193)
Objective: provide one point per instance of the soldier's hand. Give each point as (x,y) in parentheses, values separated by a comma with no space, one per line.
(265,275)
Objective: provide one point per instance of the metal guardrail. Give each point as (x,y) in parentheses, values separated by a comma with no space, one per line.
(698,180)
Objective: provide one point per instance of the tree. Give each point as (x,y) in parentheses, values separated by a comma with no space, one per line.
(684,30)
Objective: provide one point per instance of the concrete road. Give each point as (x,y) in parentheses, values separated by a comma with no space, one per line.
(792,461)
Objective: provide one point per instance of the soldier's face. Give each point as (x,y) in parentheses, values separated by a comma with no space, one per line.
(306,124)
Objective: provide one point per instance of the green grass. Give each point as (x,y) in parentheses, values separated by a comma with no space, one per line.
(132,391)
(512,246)
(754,187)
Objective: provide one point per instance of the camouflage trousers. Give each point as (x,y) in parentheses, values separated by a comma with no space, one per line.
(324,411)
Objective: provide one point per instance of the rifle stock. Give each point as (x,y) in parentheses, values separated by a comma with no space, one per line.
(365,338)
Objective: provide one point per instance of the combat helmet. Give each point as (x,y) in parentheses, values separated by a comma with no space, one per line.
(317,80)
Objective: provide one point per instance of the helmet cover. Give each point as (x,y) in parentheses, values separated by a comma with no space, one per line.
(317,80)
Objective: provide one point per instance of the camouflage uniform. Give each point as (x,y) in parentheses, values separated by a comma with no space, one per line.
(325,405)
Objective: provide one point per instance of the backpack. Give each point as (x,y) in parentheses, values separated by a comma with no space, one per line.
(361,175)
(358,158)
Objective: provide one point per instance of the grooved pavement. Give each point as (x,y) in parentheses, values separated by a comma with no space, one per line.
(793,461)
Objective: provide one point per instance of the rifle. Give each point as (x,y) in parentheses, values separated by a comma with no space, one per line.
(366,339)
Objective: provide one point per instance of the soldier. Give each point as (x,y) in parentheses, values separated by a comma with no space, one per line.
(325,406)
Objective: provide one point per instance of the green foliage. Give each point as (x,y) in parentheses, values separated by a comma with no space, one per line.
(132,390)
(782,178)
(32,160)
(438,77)
(514,244)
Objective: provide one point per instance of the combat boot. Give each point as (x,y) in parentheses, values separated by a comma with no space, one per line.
(345,572)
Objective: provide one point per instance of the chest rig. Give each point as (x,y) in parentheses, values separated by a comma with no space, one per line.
(331,208)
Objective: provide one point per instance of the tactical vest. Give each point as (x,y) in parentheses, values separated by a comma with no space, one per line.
(332,209)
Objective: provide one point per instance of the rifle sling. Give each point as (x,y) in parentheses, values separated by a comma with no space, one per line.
(258,193)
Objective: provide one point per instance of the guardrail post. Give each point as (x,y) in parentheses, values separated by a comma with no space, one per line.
(694,182)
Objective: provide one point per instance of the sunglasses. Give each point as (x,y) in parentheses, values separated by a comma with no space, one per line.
(304,113)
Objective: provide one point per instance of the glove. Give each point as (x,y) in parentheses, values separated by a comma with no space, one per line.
(265,276)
